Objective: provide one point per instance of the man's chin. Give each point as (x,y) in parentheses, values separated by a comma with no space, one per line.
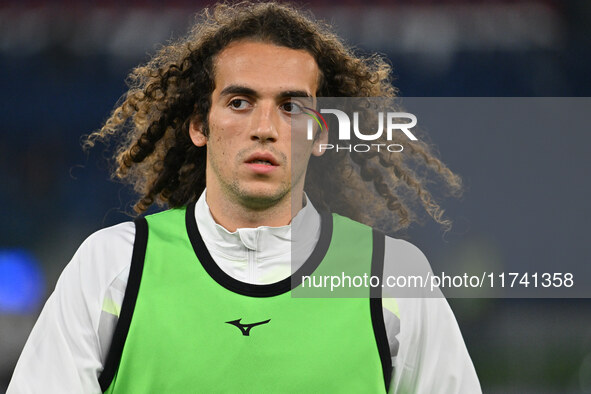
(262,198)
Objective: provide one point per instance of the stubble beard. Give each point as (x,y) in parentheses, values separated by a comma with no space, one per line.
(254,200)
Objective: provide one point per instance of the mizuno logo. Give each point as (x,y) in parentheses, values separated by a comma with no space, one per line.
(245,328)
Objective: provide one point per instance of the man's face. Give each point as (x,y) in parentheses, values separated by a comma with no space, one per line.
(250,157)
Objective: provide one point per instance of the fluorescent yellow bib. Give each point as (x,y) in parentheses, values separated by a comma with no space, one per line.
(187,327)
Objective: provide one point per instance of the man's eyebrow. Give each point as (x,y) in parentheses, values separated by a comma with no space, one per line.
(237,89)
(294,93)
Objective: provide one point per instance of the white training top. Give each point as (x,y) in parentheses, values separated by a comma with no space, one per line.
(68,345)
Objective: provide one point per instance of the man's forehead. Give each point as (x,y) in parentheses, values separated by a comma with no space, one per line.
(258,65)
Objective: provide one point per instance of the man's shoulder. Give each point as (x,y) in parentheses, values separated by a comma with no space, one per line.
(403,250)
(121,234)
(169,213)
(106,252)
(406,270)
(396,248)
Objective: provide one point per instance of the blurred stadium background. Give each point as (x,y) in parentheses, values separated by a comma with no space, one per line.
(63,67)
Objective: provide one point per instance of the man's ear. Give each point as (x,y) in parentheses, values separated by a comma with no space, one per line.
(196,132)
(320,143)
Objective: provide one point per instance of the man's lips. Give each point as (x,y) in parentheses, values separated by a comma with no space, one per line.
(262,158)
(262,162)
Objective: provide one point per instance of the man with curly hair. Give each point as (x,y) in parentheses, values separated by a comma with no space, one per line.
(198,297)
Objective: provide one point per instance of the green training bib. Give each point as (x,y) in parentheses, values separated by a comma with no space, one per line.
(187,327)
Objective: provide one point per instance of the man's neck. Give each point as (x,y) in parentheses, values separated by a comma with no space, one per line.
(234,215)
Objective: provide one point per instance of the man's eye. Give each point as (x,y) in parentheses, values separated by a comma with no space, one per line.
(239,104)
(292,108)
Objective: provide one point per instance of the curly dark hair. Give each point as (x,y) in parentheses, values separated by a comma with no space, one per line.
(157,157)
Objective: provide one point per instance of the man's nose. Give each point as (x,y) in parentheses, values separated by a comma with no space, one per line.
(265,127)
